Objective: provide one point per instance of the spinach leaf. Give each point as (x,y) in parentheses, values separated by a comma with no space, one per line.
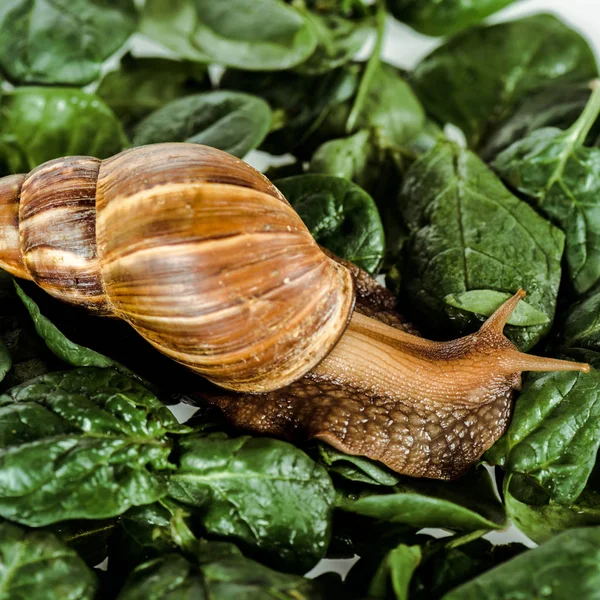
(485,302)
(35,565)
(80,124)
(581,328)
(356,468)
(301,104)
(247,34)
(338,40)
(5,360)
(61,42)
(82,444)
(266,494)
(390,109)
(344,157)
(393,576)
(443,17)
(219,572)
(88,538)
(467,232)
(477,78)
(540,518)
(340,216)
(468,504)
(557,105)
(554,435)
(565,567)
(561,177)
(231,121)
(61,346)
(141,85)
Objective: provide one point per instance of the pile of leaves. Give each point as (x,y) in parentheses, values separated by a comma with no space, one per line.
(94,466)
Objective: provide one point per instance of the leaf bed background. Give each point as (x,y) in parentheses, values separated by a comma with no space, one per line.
(92,463)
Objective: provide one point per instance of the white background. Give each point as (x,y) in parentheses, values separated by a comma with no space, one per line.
(405,48)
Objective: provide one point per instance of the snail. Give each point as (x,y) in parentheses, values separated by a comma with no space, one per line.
(206,259)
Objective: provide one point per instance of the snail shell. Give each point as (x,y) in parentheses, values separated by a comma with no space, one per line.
(195,249)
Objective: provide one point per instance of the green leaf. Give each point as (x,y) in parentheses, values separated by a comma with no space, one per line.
(216,573)
(231,121)
(36,565)
(356,468)
(467,504)
(246,34)
(554,435)
(390,109)
(82,444)
(443,17)
(88,538)
(485,302)
(477,78)
(558,105)
(141,85)
(338,41)
(263,493)
(566,567)
(561,178)
(345,157)
(467,232)
(80,123)
(301,104)
(395,572)
(582,324)
(539,518)
(340,216)
(5,360)
(31,51)
(61,346)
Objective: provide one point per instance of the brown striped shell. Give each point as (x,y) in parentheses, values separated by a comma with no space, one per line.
(199,252)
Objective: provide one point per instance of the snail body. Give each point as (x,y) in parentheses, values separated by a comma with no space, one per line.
(206,259)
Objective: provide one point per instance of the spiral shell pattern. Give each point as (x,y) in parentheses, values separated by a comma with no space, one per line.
(199,252)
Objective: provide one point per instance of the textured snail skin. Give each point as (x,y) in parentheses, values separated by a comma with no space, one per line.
(205,258)
(199,252)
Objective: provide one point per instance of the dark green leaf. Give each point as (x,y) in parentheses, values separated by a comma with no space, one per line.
(561,177)
(566,567)
(5,360)
(61,42)
(356,468)
(467,232)
(88,538)
(264,493)
(61,346)
(340,216)
(476,79)
(393,576)
(443,17)
(538,517)
(467,504)
(338,41)
(390,110)
(82,444)
(231,121)
(141,85)
(345,157)
(554,435)
(35,565)
(300,103)
(582,323)
(219,573)
(556,105)
(450,562)
(485,302)
(143,533)
(246,34)
(38,124)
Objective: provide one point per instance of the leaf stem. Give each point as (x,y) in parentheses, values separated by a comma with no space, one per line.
(369,72)
(455,542)
(579,130)
(181,533)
